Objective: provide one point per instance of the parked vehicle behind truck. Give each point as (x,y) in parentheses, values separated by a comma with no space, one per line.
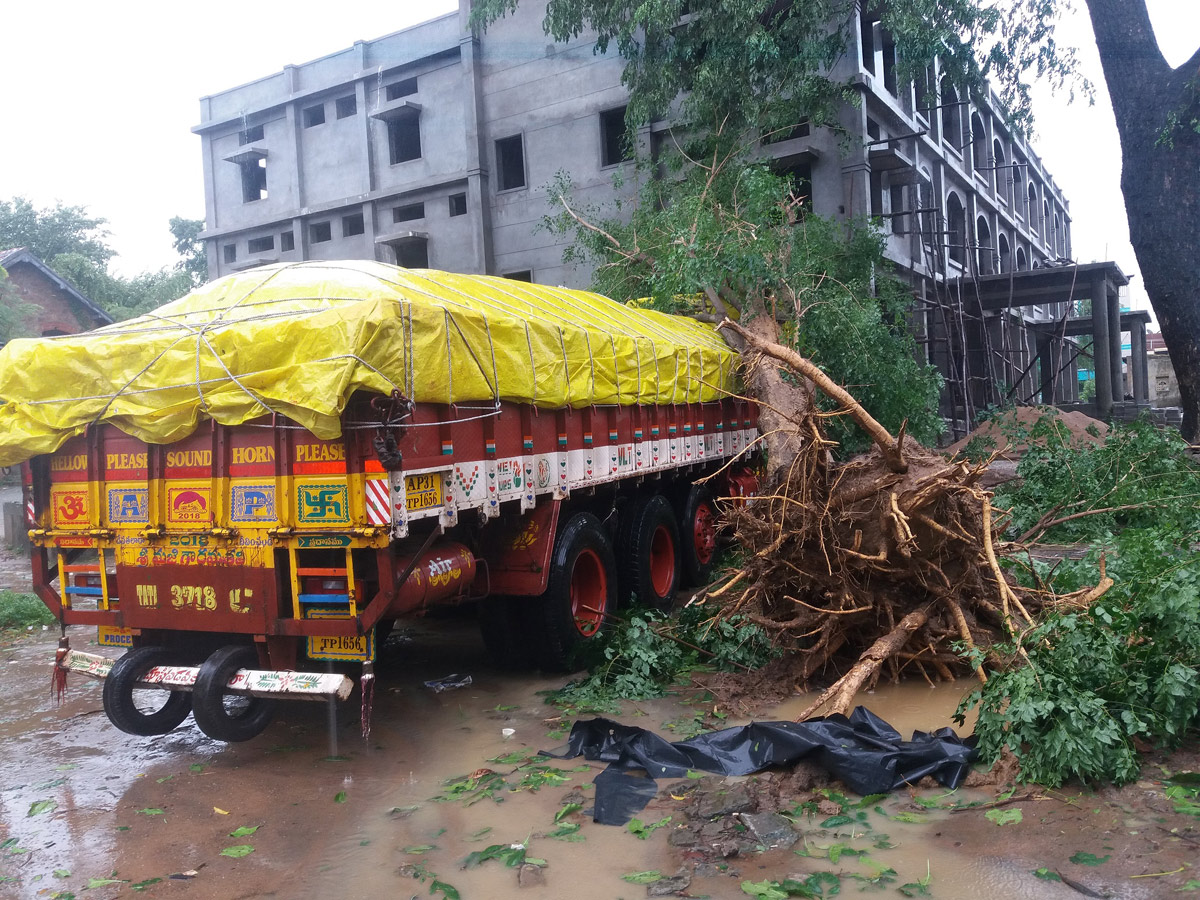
(270,471)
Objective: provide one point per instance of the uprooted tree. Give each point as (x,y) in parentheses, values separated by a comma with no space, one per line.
(858,566)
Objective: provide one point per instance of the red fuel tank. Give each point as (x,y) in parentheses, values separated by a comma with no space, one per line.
(442,572)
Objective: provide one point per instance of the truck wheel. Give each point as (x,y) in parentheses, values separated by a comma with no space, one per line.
(582,591)
(223,716)
(503,626)
(698,535)
(648,546)
(140,710)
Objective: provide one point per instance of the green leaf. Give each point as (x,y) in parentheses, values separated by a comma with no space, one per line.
(238,851)
(449,891)
(94,883)
(1090,859)
(196,768)
(37,807)
(244,831)
(419,848)
(142,885)
(1004,816)
(648,877)
(476,835)
(567,810)
(150,811)
(1047,874)
(62,873)
(643,830)
(764,890)
(835,821)
(339,797)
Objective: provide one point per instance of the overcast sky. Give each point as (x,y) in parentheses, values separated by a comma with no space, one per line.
(98,101)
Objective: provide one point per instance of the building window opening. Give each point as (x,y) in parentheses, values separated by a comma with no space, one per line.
(404,137)
(522,275)
(412,254)
(899,213)
(398,89)
(287,242)
(352,225)
(314,115)
(1047,234)
(951,116)
(408,213)
(889,63)
(1005,256)
(510,163)
(1022,260)
(250,135)
(458,205)
(867,37)
(261,244)
(1031,209)
(956,231)
(346,106)
(1003,173)
(614,137)
(254,180)
(320,232)
(229,253)
(799,176)
(986,252)
(979,145)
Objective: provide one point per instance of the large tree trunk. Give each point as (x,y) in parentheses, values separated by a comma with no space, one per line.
(1160,178)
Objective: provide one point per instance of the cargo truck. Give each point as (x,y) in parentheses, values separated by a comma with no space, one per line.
(266,474)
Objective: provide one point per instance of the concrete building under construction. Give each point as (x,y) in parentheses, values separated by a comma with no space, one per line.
(432,147)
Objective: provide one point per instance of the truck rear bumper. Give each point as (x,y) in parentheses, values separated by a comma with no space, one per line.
(252,682)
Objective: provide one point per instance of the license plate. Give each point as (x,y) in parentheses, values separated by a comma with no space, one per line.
(422,491)
(323,646)
(112,636)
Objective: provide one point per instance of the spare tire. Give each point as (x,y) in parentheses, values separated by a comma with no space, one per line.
(224,716)
(143,711)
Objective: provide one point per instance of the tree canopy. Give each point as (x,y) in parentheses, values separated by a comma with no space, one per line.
(75,245)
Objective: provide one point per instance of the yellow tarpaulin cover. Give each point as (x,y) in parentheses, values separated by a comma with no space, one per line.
(299,339)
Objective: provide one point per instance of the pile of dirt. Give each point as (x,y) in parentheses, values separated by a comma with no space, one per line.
(1012,432)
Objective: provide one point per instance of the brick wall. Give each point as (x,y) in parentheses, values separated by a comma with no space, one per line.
(57,313)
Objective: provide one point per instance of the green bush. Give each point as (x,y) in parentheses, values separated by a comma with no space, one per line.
(1126,670)
(639,659)
(22,610)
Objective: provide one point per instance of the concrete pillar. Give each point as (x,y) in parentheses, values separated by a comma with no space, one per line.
(1101,346)
(1113,303)
(1139,364)
(479,193)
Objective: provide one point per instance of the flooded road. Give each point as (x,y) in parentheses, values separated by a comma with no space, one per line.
(89,812)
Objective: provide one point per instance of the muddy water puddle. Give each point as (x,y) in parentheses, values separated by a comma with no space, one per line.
(83,804)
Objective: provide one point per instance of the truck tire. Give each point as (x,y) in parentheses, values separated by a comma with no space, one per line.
(648,547)
(698,535)
(143,711)
(229,717)
(504,628)
(582,591)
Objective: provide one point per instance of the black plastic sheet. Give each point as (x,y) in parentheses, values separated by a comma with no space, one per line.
(864,752)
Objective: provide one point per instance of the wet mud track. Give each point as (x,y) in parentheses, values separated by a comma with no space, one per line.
(89,812)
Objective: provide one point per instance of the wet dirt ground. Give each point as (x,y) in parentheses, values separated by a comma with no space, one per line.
(89,812)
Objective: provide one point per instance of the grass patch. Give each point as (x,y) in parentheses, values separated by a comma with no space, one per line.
(22,610)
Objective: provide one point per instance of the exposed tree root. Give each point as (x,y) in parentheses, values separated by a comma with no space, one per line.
(866,568)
